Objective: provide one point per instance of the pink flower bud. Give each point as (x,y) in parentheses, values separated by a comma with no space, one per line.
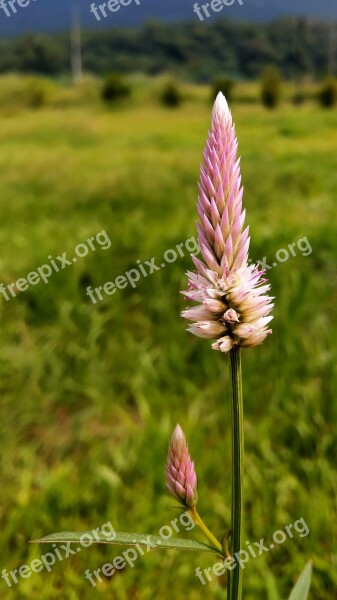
(181,478)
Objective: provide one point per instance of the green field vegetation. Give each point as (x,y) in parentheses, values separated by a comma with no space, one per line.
(19,92)
(91,393)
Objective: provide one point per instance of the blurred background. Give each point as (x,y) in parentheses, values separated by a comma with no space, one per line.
(102,126)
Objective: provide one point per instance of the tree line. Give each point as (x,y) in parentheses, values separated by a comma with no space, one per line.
(197,51)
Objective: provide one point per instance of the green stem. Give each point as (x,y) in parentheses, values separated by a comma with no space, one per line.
(235,592)
(198,521)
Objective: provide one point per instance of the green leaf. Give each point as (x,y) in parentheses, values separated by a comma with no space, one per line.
(126,539)
(271,585)
(301,589)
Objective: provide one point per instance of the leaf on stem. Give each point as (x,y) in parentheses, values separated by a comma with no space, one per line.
(126,539)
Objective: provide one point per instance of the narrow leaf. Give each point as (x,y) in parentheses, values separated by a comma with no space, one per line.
(301,588)
(271,585)
(126,539)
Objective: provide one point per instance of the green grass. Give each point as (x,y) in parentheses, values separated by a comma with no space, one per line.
(91,393)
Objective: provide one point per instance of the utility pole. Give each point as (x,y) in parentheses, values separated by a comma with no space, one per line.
(76,45)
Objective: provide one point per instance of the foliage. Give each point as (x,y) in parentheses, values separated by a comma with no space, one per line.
(131,539)
(328,94)
(115,88)
(25,92)
(271,87)
(171,95)
(301,588)
(199,51)
(225,86)
(36,93)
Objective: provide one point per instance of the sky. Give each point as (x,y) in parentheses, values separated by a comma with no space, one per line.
(52,15)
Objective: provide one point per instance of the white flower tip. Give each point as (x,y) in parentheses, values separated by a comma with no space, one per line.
(178,439)
(178,432)
(221,108)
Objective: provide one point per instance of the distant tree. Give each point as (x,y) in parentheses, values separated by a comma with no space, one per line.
(170,95)
(328,93)
(38,54)
(271,87)
(115,88)
(225,86)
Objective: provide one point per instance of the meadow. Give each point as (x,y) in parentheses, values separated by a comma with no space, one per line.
(91,393)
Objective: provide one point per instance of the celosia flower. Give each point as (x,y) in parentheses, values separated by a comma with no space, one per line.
(233,302)
(181,478)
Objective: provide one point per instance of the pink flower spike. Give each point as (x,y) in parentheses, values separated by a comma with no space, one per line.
(233,304)
(181,478)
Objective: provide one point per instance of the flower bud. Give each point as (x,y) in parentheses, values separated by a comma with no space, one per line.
(181,478)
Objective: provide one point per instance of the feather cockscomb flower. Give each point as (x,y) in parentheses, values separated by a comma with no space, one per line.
(181,477)
(233,302)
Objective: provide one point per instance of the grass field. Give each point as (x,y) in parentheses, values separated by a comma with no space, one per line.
(91,393)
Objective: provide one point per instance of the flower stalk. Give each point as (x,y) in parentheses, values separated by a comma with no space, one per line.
(235,584)
(198,521)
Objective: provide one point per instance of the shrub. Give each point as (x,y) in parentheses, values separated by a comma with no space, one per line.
(36,93)
(271,87)
(22,91)
(115,88)
(327,96)
(222,85)
(171,95)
